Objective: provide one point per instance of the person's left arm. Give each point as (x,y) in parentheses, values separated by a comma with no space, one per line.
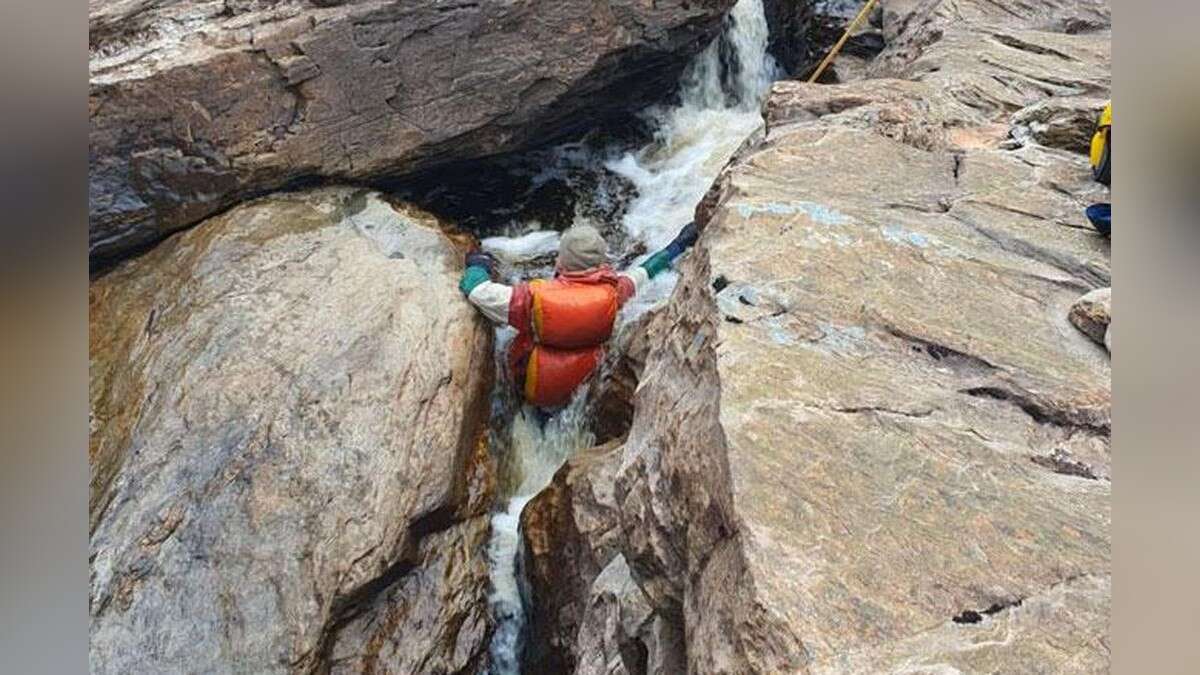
(633,280)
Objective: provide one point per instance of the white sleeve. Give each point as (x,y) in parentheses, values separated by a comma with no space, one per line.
(639,276)
(492,300)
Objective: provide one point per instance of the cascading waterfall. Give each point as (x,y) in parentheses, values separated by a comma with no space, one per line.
(718,108)
(695,139)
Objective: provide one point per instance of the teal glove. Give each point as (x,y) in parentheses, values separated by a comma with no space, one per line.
(662,260)
(657,263)
(472,277)
(479,268)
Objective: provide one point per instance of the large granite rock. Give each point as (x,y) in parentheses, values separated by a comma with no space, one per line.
(288,407)
(590,617)
(998,57)
(196,105)
(570,533)
(867,438)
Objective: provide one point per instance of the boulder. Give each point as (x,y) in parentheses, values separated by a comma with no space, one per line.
(289,472)
(620,635)
(1062,122)
(196,105)
(997,58)
(570,534)
(866,437)
(1092,314)
(590,617)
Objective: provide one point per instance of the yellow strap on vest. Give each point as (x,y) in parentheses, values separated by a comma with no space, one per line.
(1100,138)
(537,307)
(531,376)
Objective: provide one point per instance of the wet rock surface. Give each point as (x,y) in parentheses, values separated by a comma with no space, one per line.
(592,618)
(197,105)
(287,407)
(791,25)
(544,189)
(864,407)
(571,533)
(803,31)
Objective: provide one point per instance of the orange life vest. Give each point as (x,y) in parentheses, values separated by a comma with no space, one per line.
(562,325)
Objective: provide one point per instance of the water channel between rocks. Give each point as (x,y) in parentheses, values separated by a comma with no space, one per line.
(718,108)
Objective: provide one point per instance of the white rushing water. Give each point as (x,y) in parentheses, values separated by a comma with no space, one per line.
(692,142)
(522,249)
(537,450)
(696,138)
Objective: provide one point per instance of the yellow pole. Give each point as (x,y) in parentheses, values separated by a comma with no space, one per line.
(862,14)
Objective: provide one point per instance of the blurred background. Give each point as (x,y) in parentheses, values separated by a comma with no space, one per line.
(43,391)
(1155,254)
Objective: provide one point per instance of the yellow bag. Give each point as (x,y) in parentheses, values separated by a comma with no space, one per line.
(1102,147)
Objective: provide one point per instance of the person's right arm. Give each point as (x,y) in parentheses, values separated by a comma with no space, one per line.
(490,298)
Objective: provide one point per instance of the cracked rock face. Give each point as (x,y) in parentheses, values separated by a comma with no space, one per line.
(570,532)
(286,409)
(867,436)
(197,105)
(591,617)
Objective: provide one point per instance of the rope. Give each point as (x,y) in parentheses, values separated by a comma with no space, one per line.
(862,14)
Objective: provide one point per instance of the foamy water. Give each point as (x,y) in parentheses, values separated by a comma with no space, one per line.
(522,249)
(695,139)
(692,142)
(537,450)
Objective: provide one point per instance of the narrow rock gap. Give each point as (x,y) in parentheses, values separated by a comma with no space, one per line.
(348,607)
(969,616)
(589,180)
(1042,412)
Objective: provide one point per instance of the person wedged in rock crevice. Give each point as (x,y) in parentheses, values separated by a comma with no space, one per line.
(563,323)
